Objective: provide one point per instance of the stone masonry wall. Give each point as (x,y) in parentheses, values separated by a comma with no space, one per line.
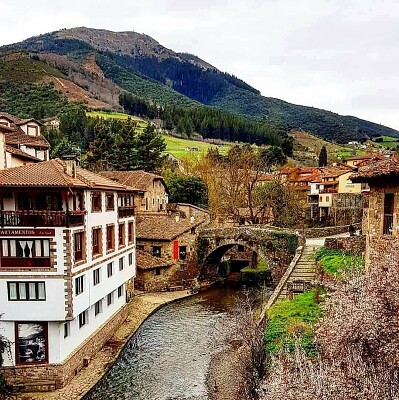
(54,376)
(329,230)
(354,245)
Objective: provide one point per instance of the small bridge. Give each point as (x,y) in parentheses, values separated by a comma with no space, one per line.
(275,246)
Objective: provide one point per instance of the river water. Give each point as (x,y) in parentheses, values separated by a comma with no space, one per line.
(169,356)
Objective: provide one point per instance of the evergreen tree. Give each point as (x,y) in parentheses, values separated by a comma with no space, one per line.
(149,148)
(101,154)
(125,146)
(64,148)
(323,157)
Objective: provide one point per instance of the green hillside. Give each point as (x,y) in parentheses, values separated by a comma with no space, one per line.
(142,66)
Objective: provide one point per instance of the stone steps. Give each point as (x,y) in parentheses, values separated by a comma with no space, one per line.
(304,270)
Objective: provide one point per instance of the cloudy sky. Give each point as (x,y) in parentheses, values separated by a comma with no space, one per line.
(341,55)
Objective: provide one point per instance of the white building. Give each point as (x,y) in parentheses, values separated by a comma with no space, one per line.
(67,263)
(21,142)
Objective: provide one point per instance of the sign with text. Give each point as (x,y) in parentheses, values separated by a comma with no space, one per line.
(27,232)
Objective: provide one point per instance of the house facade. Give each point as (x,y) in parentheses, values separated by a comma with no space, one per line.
(21,142)
(170,238)
(151,190)
(67,265)
(381,218)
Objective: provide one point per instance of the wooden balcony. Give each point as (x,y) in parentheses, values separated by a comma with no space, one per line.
(126,211)
(41,218)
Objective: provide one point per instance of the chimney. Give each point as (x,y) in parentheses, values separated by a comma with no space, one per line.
(177,217)
(70,165)
(192,219)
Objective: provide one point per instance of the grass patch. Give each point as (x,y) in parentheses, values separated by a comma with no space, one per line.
(178,147)
(290,320)
(335,262)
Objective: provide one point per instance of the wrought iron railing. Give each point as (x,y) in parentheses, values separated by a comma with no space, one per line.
(41,218)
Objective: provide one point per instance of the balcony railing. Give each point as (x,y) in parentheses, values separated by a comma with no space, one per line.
(388,224)
(41,218)
(328,191)
(126,211)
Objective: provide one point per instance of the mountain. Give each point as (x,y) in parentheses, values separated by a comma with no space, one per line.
(102,64)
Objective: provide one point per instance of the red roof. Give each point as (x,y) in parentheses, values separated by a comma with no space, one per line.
(53,173)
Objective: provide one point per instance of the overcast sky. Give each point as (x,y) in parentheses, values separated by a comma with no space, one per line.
(340,55)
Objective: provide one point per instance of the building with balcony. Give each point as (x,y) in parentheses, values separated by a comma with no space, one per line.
(21,142)
(67,264)
(152,192)
(381,218)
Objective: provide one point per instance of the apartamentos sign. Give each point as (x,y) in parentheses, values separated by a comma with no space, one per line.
(27,232)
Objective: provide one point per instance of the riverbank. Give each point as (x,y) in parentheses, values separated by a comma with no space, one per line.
(140,308)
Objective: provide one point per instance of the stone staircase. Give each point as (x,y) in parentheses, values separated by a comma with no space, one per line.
(302,274)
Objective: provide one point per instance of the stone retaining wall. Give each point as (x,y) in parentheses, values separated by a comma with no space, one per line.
(48,377)
(329,230)
(355,244)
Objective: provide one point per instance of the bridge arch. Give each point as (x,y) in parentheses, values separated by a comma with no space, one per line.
(275,247)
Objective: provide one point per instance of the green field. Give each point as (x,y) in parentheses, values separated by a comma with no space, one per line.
(178,147)
(175,146)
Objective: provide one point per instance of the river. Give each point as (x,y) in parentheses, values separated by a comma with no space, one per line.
(169,355)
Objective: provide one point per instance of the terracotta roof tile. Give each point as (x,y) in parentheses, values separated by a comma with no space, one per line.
(21,153)
(377,170)
(163,227)
(146,260)
(16,136)
(52,173)
(140,180)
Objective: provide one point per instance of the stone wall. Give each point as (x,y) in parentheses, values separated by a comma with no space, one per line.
(329,230)
(354,244)
(47,377)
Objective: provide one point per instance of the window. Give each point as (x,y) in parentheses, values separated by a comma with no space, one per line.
(130,232)
(327,199)
(79,288)
(83,319)
(78,246)
(96,276)
(67,329)
(121,232)
(96,241)
(25,291)
(19,253)
(158,271)
(109,201)
(320,198)
(146,204)
(110,269)
(156,251)
(182,253)
(130,258)
(120,291)
(110,237)
(140,247)
(192,231)
(96,202)
(110,298)
(98,307)
(121,263)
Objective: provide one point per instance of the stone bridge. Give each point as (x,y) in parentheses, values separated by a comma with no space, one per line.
(276,247)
